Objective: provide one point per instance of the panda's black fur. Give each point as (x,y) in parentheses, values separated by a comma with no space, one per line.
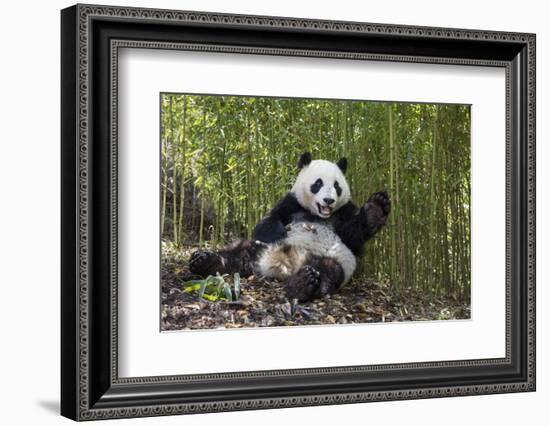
(310,239)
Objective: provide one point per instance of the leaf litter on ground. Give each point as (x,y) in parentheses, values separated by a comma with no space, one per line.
(224,301)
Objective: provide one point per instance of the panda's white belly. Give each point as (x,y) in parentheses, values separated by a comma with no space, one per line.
(284,258)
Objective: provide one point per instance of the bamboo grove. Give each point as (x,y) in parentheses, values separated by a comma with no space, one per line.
(226,160)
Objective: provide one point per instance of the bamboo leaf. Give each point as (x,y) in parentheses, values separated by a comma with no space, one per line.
(202,289)
(227,292)
(237,285)
(211,297)
(193,287)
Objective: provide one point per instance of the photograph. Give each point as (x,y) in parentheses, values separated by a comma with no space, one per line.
(299,212)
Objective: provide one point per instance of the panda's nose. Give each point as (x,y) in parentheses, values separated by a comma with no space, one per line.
(329,201)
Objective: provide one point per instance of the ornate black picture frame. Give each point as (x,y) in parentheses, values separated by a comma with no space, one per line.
(91,36)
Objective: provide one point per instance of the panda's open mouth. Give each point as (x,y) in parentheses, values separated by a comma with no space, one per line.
(324,211)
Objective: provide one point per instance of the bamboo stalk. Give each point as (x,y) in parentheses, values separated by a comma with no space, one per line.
(249,213)
(183,171)
(174,176)
(392,217)
(221,196)
(432,195)
(164,181)
(203,182)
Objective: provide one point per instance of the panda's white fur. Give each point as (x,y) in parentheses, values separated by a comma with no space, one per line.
(287,256)
(279,262)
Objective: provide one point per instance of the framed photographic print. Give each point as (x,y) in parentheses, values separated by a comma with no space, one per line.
(263,212)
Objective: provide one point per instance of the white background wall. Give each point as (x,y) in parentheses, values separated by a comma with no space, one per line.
(29,225)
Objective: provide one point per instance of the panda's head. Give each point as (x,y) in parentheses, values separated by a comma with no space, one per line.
(321,187)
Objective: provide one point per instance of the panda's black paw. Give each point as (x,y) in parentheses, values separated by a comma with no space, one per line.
(304,285)
(206,262)
(375,212)
(382,201)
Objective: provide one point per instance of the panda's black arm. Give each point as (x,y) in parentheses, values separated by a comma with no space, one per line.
(355,226)
(272,227)
(349,224)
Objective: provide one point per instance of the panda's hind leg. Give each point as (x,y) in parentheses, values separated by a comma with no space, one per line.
(239,257)
(304,285)
(206,262)
(319,277)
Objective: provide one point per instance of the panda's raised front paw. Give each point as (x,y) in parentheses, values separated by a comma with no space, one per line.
(382,200)
(377,209)
(206,262)
(304,285)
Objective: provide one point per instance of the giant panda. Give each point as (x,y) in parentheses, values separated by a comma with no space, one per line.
(310,240)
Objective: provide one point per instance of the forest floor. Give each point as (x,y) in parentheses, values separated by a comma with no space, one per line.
(263,303)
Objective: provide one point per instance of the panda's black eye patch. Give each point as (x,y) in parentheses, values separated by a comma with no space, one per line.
(337,187)
(316,186)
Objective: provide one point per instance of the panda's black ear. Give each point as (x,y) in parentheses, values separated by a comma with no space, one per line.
(304,160)
(343,164)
